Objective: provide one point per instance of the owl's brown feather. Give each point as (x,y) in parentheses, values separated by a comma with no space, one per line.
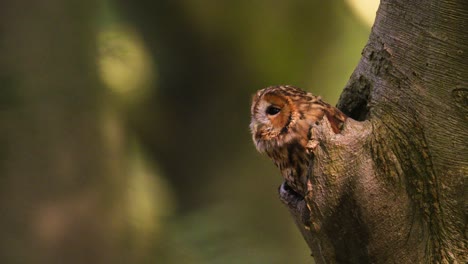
(282,118)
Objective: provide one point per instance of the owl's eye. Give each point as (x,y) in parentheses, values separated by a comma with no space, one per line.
(272,110)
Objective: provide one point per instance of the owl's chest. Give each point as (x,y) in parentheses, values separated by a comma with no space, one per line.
(293,161)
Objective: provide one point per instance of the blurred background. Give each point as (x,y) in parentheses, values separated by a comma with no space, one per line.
(124,125)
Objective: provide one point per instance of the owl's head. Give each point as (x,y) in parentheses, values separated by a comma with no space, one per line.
(276,115)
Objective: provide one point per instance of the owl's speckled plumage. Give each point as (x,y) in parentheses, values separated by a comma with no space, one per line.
(282,118)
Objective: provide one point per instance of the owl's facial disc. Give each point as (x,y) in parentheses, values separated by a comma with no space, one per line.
(272,114)
(275,118)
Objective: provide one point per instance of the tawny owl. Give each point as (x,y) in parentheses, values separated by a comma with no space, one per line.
(282,118)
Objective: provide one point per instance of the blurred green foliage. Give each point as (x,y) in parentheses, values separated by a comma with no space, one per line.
(169,84)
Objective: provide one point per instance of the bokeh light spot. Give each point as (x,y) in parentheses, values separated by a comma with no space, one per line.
(125,64)
(364,9)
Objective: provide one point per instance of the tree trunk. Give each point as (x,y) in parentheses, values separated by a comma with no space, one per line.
(391,187)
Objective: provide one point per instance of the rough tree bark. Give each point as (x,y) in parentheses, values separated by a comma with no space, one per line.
(391,187)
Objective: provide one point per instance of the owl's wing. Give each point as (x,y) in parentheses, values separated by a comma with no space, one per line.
(336,118)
